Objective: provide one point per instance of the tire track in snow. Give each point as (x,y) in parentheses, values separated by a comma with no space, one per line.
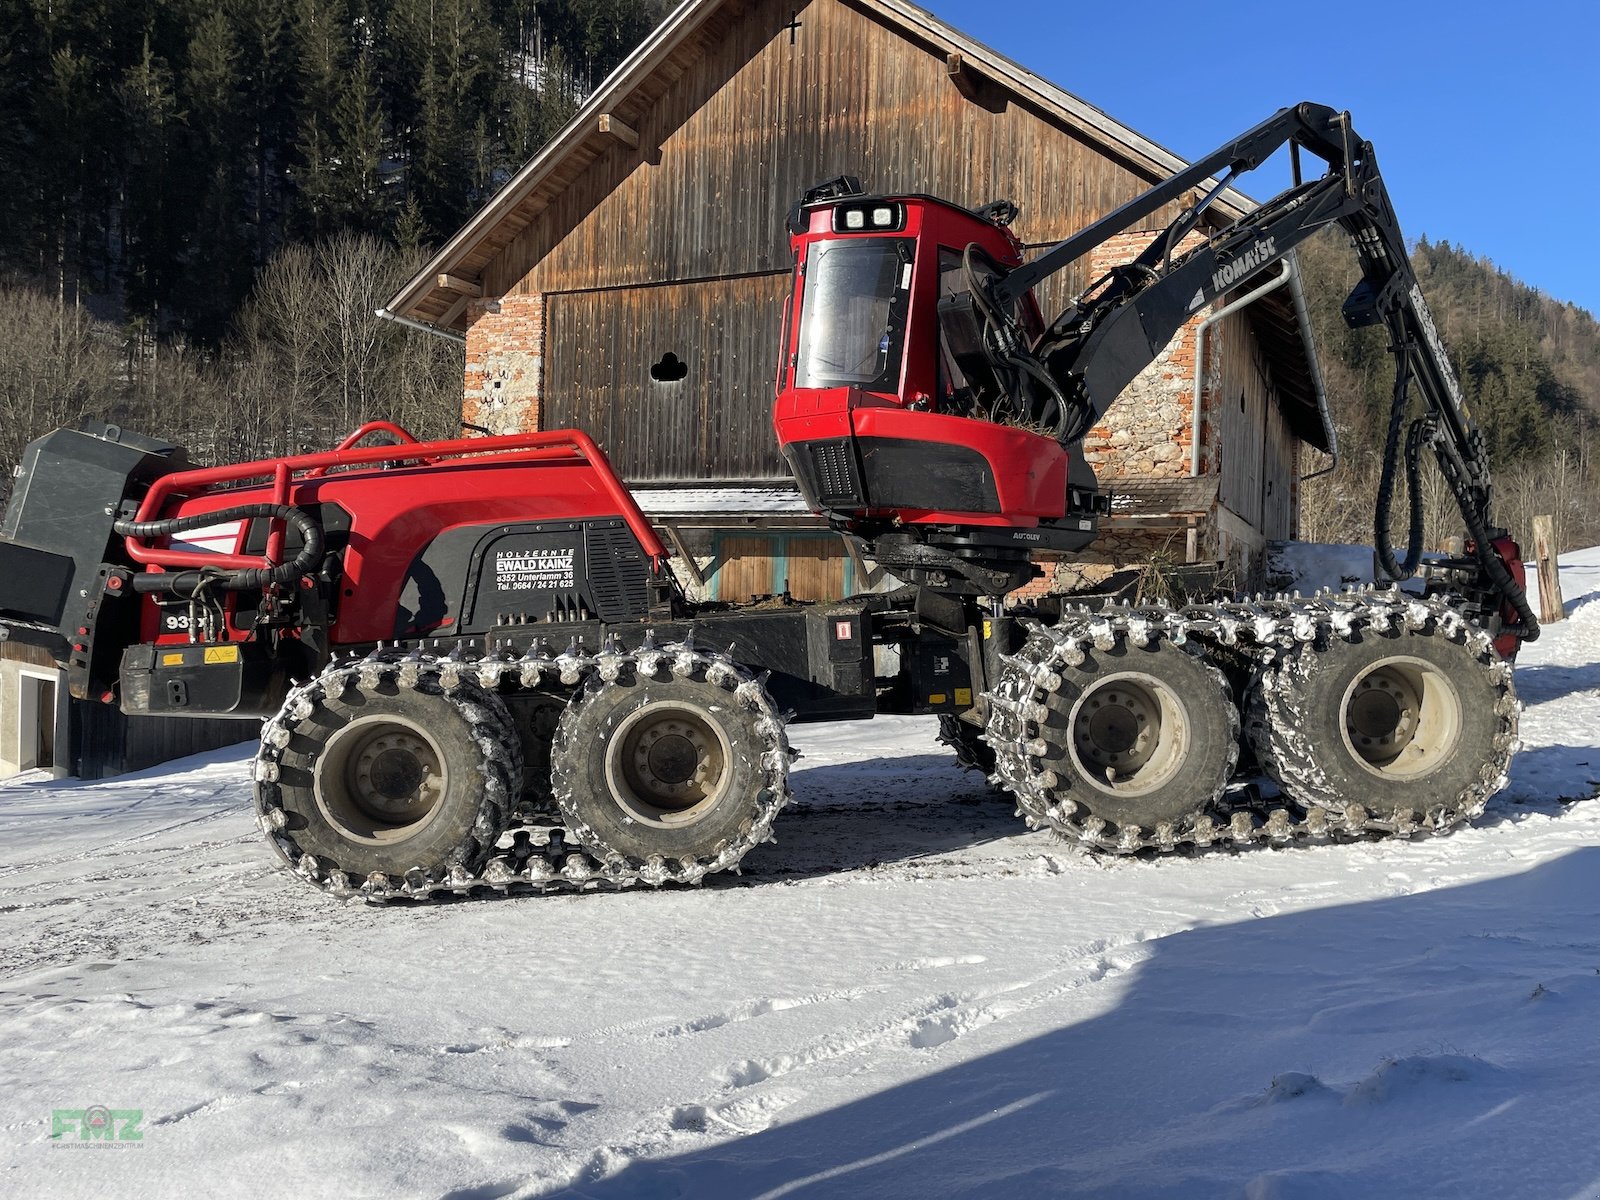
(753,1093)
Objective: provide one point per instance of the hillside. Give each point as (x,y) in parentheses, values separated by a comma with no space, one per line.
(1529,367)
(158,153)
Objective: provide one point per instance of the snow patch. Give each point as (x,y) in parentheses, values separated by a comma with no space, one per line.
(1404,1078)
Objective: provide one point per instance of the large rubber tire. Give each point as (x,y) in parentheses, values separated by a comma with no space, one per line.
(390,779)
(664,765)
(1138,736)
(1402,721)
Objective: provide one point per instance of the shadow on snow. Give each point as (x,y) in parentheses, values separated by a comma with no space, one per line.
(1434,1044)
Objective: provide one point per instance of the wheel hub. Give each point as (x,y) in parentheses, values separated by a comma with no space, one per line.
(1129,734)
(669,763)
(673,759)
(396,775)
(1402,718)
(381,779)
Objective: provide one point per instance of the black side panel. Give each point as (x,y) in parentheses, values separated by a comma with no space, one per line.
(33,583)
(58,523)
(827,473)
(904,473)
(485,577)
(619,574)
(67,479)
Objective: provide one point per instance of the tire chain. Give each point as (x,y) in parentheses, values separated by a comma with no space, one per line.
(531,856)
(1268,631)
(954,735)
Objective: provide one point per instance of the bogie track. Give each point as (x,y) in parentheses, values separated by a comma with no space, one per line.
(1375,714)
(1371,714)
(520,846)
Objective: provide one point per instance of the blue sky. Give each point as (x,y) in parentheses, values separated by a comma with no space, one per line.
(1485,117)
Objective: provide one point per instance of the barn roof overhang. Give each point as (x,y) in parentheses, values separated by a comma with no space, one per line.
(1283,328)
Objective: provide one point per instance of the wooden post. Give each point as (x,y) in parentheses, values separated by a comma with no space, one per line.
(1544,550)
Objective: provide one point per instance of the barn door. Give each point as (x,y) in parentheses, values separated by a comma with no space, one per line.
(674,382)
(37,700)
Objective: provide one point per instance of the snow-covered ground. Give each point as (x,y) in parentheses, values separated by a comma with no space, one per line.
(906,996)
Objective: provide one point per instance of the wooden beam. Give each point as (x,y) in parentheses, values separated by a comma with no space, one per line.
(689,562)
(455,283)
(624,133)
(1551,607)
(454,311)
(964,77)
(975,87)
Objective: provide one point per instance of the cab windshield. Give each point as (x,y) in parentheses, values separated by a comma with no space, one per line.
(853,316)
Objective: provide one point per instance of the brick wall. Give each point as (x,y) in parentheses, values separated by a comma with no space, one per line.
(505,364)
(1149,432)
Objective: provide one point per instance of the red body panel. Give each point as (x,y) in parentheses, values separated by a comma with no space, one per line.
(399,499)
(1507,644)
(1029,471)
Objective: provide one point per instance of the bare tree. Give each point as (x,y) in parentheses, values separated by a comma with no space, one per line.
(56,369)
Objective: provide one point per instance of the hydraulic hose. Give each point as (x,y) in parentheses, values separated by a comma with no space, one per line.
(1391,455)
(1489,560)
(186,583)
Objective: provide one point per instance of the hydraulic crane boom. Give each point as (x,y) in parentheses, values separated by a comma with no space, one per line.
(1094,349)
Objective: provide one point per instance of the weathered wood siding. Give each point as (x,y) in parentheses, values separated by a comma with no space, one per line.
(653,242)
(814,567)
(105,743)
(713,424)
(1259,456)
(807,566)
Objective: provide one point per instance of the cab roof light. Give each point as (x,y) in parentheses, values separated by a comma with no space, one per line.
(887,216)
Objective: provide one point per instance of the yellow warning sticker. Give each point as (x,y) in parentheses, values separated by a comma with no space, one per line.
(172,660)
(988,629)
(222,654)
(964,697)
(936,698)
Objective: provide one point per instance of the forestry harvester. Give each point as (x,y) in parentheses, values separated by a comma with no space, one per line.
(477,671)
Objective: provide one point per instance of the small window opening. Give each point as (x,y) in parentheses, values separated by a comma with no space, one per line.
(671,369)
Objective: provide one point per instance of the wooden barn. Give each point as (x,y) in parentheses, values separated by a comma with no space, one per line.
(629,280)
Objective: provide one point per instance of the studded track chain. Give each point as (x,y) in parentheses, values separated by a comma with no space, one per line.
(537,852)
(1267,633)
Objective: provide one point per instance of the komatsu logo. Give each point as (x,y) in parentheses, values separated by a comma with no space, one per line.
(1259,255)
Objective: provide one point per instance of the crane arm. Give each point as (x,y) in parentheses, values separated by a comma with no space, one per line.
(1067,379)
